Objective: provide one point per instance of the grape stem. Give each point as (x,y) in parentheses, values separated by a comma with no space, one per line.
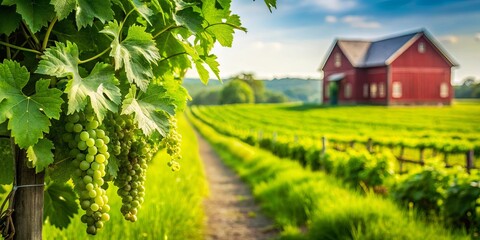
(20,48)
(9,52)
(47,34)
(171,27)
(174,55)
(94,57)
(35,39)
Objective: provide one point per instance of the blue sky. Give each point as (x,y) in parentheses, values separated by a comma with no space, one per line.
(293,40)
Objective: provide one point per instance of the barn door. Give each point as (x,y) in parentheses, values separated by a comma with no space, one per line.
(333,92)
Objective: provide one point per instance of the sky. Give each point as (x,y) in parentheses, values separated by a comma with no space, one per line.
(294,39)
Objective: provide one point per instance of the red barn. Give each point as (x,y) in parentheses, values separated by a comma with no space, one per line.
(407,69)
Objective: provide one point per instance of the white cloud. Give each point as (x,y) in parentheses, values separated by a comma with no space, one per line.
(452,39)
(330,19)
(332,5)
(477,37)
(262,45)
(360,22)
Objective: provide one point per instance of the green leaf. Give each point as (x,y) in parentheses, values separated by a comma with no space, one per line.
(10,20)
(88,10)
(112,167)
(136,53)
(6,162)
(29,116)
(189,18)
(211,61)
(63,7)
(202,72)
(60,204)
(142,9)
(176,92)
(41,154)
(100,87)
(36,14)
(271,4)
(150,109)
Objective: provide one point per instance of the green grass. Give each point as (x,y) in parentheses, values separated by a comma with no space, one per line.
(313,205)
(173,206)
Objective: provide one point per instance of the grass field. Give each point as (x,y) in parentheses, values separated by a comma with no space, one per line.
(449,129)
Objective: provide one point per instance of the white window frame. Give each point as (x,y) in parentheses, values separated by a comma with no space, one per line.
(444,90)
(421,47)
(373,90)
(347,91)
(338,59)
(396,89)
(365,90)
(381,90)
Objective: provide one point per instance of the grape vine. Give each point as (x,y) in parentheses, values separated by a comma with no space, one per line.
(89,91)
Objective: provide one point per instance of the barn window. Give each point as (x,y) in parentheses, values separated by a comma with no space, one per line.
(381,90)
(397,89)
(373,90)
(338,60)
(365,90)
(421,47)
(348,90)
(444,90)
(327,92)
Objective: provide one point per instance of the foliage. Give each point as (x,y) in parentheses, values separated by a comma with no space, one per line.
(206,97)
(470,88)
(66,65)
(237,91)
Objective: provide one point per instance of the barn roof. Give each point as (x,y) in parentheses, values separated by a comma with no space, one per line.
(364,53)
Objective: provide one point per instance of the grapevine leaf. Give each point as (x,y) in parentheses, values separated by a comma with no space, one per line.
(112,167)
(36,14)
(63,7)
(2,190)
(202,72)
(6,162)
(176,92)
(221,23)
(150,109)
(142,9)
(137,53)
(29,116)
(88,10)
(190,19)
(271,4)
(41,154)
(60,204)
(10,20)
(211,61)
(100,86)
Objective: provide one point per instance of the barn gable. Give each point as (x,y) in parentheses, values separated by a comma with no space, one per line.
(362,53)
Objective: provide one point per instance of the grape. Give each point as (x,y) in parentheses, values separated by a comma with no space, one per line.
(84,138)
(130,148)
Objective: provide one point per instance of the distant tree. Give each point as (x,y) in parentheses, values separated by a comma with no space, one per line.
(469,89)
(274,97)
(237,91)
(257,86)
(207,97)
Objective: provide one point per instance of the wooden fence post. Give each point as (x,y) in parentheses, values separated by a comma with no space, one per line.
(445,159)
(422,160)
(28,202)
(402,152)
(470,159)
(369,145)
(324,144)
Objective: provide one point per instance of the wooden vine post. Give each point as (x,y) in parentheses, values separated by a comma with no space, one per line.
(28,201)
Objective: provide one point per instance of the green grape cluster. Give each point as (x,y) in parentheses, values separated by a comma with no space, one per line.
(172,142)
(132,151)
(88,147)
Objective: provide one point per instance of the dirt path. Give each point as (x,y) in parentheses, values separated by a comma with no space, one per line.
(230,208)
